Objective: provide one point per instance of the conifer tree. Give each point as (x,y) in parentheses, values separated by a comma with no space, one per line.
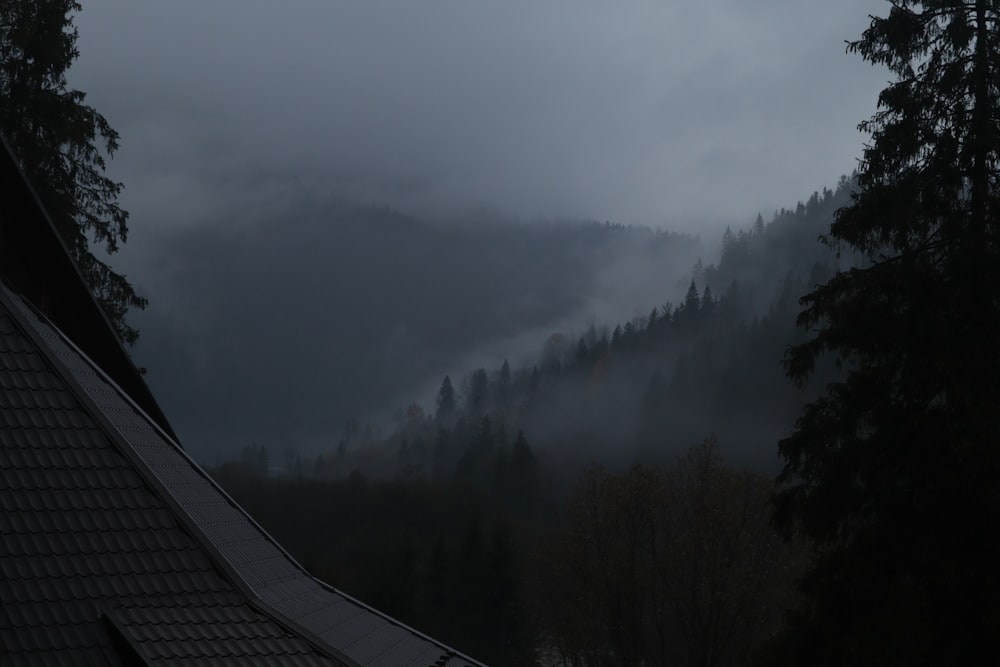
(707,301)
(61,144)
(652,319)
(892,475)
(445,403)
(692,302)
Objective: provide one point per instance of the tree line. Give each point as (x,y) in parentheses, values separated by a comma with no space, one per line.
(890,468)
(675,564)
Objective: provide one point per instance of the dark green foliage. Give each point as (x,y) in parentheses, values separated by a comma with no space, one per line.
(61,144)
(708,302)
(692,302)
(445,402)
(677,566)
(665,381)
(436,556)
(893,473)
(717,362)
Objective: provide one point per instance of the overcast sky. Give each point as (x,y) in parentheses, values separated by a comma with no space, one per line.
(687,114)
(656,111)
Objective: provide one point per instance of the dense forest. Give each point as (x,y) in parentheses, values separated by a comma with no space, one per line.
(641,390)
(371,308)
(470,518)
(795,463)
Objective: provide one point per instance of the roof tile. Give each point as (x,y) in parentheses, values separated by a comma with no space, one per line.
(103,512)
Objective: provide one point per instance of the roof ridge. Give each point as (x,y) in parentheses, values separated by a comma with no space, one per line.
(187,523)
(190,523)
(42,266)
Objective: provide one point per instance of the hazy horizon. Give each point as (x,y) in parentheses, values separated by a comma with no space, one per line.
(235,117)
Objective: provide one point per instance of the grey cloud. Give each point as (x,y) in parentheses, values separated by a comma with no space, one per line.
(636,111)
(238,115)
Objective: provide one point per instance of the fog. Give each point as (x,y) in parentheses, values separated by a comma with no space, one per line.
(369,310)
(640,111)
(263,145)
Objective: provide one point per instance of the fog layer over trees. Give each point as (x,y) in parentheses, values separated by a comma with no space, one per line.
(640,389)
(302,319)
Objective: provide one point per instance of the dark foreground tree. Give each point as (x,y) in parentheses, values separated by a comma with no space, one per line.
(664,567)
(61,144)
(893,474)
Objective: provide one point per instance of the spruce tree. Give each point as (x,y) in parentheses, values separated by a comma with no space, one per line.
(61,144)
(707,302)
(692,302)
(892,474)
(445,403)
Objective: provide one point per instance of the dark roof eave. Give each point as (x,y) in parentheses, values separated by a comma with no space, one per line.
(35,262)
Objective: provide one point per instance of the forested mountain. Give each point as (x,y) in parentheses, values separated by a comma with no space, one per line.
(368,305)
(477,517)
(644,389)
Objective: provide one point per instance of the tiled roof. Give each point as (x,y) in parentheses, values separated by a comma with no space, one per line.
(89,551)
(35,263)
(115,546)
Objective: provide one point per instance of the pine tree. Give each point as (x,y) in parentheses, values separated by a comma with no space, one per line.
(61,144)
(445,402)
(707,302)
(692,302)
(893,473)
(653,319)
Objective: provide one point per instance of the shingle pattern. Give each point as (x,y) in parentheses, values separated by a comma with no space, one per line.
(83,537)
(239,545)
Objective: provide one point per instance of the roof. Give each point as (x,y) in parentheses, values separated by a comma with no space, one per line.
(90,550)
(35,262)
(116,548)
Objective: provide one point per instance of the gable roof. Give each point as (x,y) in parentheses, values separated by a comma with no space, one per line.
(35,262)
(115,547)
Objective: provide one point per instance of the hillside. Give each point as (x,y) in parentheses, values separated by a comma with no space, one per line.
(279,334)
(643,389)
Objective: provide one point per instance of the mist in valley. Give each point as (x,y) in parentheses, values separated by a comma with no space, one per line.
(327,228)
(371,308)
(566,333)
(607,358)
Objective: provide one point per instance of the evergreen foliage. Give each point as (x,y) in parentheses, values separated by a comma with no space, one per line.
(435,556)
(516,437)
(61,145)
(893,473)
(666,566)
(646,388)
(445,402)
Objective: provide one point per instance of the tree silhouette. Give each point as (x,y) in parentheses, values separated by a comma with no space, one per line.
(665,567)
(892,474)
(61,144)
(445,403)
